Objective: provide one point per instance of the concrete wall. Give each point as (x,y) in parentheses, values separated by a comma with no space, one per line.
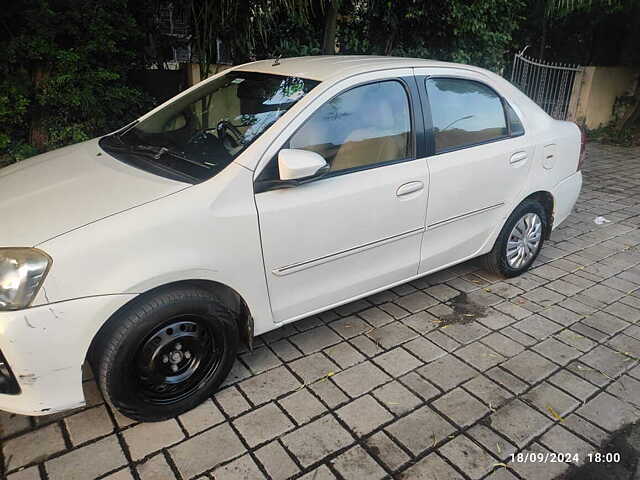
(598,90)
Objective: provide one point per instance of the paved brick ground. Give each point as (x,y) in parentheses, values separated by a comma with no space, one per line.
(417,382)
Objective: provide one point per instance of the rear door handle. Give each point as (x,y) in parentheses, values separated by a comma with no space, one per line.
(409,188)
(518,158)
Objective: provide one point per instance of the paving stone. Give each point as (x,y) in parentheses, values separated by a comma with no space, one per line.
(26,474)
(376,316)
(344,355)
(564,288)
(92,394)
(357,463)
(360,379)
(386,450)
(302,406)
(313,367)
(424,349)
(538,327)
(353,307)
(431,467)
(238,373)
(461,407)
(488,391)
(394,310)
(590,374)
(232,401)
(519,336)
(416,301)
(447,372)
(483,298)
(512,310)
(625,344)
(442,340)
(329,393)
(89,461)
(559,439)
(420,430)
(578,307)
(589,332)
(315,340)
(576,386)
(519,422)
(364,415)
(308,323)
(242,468)
(10,424)
(314,441)
(536,470)
(270,385)
(480,356)
(422,322)
(350,326)
(608,412)
(603,294)
(530,366)
(89,424)
(605,323)
(507,380)
(366,346)
(155,468)
(626,388)
(260,359)
(557,351)
(576,340)
(623,311)
(391,335)
(263,424)
(543,296)
(32,447)
(320,473)
(276,461)
(397,362)
(501,473)
(506,290)
(585,429)
(503,345)
(495,319)
(550,400)
(493,442)
(196,454)
(202,417)
(549,272)
(420,386)
(472,459)
(146,438)
(466,333)
(397,398)
(607,361)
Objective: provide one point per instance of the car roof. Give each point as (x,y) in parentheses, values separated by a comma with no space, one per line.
(330,66)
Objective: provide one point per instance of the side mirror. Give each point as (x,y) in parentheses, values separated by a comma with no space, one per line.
(300,164)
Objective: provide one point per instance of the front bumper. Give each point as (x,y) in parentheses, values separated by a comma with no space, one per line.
(45,348)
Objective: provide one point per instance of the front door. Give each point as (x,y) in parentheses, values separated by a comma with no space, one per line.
(359,227)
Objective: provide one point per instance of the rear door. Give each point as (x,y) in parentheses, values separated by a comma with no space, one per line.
(359,227)
(479,163)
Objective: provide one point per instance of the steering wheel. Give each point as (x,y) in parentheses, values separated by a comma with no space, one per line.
(228,134)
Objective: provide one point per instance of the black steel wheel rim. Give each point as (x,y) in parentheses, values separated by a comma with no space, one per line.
(177,358)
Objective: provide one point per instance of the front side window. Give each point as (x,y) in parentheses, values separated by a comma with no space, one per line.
(363,126)
(196,136)
(464,113)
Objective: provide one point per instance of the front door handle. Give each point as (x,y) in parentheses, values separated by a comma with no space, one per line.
(409,188)
(518,158)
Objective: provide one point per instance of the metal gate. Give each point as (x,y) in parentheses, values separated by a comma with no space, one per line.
(553,86)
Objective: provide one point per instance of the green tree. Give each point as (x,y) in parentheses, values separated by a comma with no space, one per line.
(64,72)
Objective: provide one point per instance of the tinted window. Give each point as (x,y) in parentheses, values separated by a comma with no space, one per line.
(464,113)
(362,126)
(514,121)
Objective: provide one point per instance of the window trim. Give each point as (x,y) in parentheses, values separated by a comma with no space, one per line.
(416,126)
(427,108)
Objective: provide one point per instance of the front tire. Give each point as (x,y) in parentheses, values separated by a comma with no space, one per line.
(519,241)
(166,353)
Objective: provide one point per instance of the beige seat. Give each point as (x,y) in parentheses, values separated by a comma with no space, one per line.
(377,142)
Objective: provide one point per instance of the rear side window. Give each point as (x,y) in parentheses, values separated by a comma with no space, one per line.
(514,121)
(464,113)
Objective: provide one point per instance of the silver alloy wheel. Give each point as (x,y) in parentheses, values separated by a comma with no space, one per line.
(524,240)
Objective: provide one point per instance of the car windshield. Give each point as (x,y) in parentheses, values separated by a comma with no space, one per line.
(197,135)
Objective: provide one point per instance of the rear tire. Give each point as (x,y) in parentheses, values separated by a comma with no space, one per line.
(519,241)
(166,353)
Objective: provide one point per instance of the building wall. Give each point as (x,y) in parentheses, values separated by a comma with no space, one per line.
(599,89)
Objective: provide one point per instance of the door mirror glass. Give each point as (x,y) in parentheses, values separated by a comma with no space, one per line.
(296,164)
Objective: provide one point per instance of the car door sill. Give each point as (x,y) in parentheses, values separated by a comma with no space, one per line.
(296,267)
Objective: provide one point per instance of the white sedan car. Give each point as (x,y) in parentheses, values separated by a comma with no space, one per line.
(265,194)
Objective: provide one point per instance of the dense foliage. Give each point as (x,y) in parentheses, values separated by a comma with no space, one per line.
(67,66)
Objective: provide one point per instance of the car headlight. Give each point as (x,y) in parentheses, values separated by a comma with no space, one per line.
(22,271)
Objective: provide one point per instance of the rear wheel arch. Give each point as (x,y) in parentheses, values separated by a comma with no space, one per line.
(547,201)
